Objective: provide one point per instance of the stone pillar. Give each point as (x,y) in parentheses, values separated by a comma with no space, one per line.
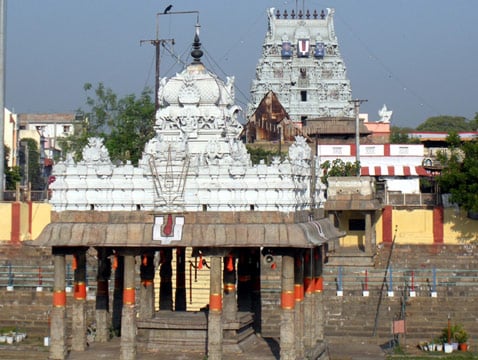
(334,244)
(287,333)
(229,300)
(146,291)
(374,230)
(180,298)
(308,298)
(244,285)
(214,327)
(118,266)
(166,274)
(128,318)
(299,304)
(319,294)
(58,348)
(368,233)
(78,336)
(255,271)
(102,307)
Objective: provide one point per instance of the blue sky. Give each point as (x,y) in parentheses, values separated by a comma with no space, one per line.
(420,58)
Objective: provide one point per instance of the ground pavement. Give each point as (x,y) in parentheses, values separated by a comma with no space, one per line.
(260,349)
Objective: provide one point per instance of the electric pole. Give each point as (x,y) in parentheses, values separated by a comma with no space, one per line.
(357,103)
(157,43)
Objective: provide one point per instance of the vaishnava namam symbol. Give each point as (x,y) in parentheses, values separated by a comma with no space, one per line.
(168,228)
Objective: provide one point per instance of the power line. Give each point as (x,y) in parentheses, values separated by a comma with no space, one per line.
(388,70)
(210,58)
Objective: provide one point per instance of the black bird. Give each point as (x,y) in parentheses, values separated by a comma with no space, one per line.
(167,9)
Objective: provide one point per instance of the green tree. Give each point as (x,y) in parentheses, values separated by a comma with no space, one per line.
(132,127)
(338,167)
(125,123)
(259,153)
(399,135)
(30,166)
(446,123)
(474,123)
(12,174)
(460,171)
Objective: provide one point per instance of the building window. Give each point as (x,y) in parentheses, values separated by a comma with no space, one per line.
(337,150)
(303,120)
(403,150)
(357,224)
(66,129)
(303,95)
(370,150)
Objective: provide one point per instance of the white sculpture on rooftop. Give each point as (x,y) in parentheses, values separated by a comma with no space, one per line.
(385,114)
(96,152)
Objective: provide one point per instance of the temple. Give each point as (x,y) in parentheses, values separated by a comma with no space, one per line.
(256,231)
(302,66)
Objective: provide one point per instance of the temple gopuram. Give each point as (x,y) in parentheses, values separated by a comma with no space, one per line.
(302,66)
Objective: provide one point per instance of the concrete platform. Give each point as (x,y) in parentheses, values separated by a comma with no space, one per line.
(261,349)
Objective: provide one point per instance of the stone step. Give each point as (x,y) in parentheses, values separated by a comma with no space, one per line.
(23,354)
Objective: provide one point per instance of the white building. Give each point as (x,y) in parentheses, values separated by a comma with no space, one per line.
(400,165)
(47,128)
(10,135)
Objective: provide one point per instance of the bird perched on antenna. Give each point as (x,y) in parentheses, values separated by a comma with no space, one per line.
(168,8)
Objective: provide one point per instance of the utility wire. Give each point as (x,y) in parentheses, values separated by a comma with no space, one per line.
(178,58)
(211,59)
(148,77)
(387,69)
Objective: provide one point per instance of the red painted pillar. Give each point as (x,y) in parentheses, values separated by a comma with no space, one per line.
(30,218)
(386,150)
(387,233)
(438,213)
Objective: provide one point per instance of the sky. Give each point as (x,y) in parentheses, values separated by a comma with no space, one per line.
(419,58)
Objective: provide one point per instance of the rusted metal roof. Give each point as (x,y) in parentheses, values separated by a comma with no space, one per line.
(298,235)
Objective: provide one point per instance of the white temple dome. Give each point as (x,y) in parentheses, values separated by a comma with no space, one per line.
(194,85)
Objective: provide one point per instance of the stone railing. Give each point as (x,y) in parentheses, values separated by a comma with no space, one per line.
(351,186)
(400,199)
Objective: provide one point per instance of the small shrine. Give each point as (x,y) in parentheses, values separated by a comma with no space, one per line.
(195,195)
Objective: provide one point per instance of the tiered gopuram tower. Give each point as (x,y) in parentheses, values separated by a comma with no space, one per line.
(301,63)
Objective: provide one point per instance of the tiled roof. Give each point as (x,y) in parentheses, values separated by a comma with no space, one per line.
(46,118)
(298,235)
